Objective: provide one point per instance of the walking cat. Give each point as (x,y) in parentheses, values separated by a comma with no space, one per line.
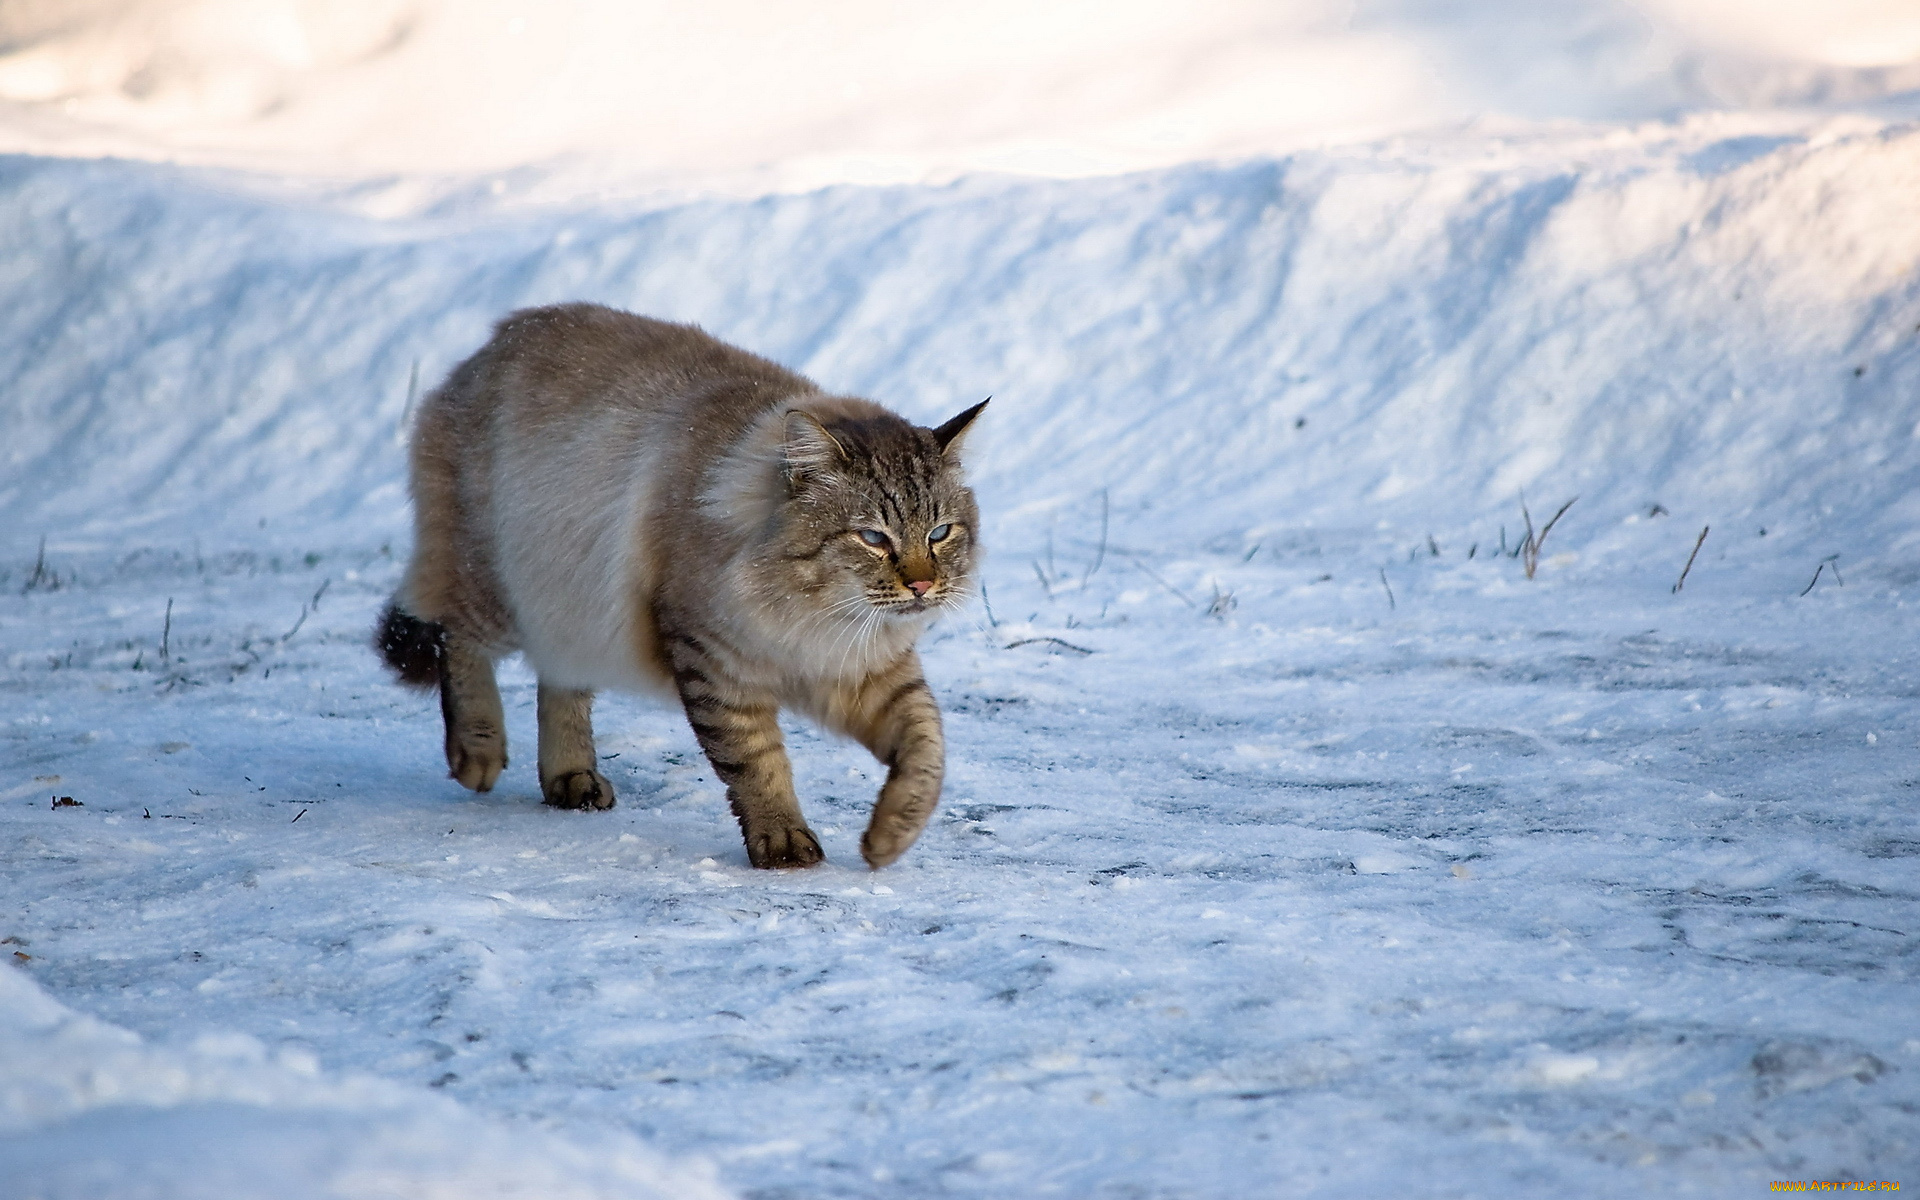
(638,506)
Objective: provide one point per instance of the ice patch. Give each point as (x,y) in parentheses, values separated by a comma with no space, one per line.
(1384,862)
(1559,1070)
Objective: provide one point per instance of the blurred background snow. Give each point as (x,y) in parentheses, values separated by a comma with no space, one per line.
(752,95)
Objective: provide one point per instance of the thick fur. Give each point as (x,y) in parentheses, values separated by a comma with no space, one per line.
(410,646)
(636,505)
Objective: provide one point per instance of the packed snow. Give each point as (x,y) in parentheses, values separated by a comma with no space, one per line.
(1304,834)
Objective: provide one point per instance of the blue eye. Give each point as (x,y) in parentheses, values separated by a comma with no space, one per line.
(939,533)
(872,537)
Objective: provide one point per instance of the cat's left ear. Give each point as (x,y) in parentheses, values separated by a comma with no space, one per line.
(809,449)
(954,432)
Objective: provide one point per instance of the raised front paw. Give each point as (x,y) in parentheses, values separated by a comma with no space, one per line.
(578,789)
(476,760)
(783,846)
(887,839)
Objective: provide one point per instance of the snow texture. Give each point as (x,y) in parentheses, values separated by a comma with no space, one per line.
(87,1109)
(1295,843)
(407,97)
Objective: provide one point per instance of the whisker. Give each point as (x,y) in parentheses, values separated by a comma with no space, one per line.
(851,636)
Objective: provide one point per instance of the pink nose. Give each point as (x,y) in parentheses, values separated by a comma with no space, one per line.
(920,586)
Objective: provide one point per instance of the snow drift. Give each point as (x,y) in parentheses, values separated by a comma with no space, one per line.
(88,1110)
(1727,326)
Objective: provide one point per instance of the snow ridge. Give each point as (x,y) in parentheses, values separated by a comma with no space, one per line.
(1726,326)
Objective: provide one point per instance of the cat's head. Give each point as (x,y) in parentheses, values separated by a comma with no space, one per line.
(877,513)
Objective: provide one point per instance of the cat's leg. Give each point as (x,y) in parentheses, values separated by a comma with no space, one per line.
(893,714)
(567,775)
(740,731)
(476,725)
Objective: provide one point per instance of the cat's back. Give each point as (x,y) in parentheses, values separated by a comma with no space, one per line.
(568,363)
(580,401)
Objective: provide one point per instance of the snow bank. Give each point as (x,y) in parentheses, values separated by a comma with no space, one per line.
(751,95)
(1719,321)
(88,1110)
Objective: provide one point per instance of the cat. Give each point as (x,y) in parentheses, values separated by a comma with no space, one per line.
(635,505)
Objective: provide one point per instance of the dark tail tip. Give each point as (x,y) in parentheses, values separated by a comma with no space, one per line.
(411,647)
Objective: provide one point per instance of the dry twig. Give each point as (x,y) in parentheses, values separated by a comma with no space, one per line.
(1530,549)
(1100,555)
(1155,576)
(1056,641)
(40,573)
(1831,560)
(413,393)
(1697,543)
(1223,603)
(1041,575)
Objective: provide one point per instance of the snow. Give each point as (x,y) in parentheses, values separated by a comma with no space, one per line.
(748,96)
(1295,841)
(87,1109)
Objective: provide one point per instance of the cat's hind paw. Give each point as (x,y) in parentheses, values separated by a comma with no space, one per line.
(789,846)
(578,789)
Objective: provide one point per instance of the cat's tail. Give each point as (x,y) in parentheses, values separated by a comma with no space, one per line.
(411,647)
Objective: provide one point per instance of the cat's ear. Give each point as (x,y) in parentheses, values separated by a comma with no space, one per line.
(809,448)
(954,432)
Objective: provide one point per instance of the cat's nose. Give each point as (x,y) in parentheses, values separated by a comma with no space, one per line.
(920,586)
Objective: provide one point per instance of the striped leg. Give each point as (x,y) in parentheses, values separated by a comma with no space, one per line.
(895,716)
(567,775)
(476,725)
(740,733)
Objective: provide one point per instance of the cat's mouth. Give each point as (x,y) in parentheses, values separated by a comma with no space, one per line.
(907,606)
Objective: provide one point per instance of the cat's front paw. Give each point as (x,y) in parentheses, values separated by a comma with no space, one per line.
(476,760)
(901,811)
(784,846)
(880,849)
(578,789)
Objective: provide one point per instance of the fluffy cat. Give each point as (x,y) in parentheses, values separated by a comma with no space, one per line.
(636,505)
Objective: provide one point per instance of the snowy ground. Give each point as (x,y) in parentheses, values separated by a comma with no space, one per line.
(1571,884)
(1295,842)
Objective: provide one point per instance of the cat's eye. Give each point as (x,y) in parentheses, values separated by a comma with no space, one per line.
(872,537)
(939,533)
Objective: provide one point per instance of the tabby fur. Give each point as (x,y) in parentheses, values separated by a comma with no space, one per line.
(635,505)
